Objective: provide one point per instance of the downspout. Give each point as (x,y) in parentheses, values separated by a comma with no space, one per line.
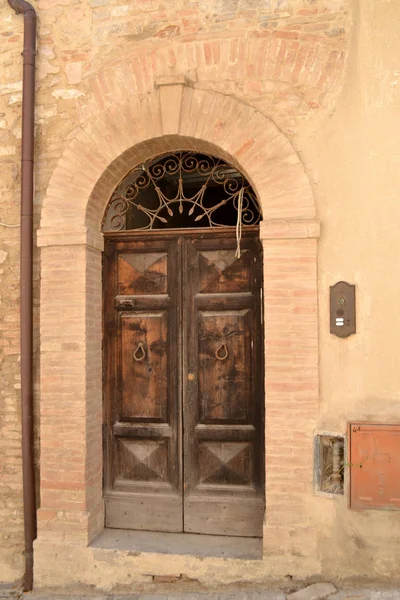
(26,284)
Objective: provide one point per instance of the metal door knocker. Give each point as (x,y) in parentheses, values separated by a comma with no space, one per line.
(139,353)
(221,352)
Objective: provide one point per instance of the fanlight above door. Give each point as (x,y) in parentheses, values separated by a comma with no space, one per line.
(184,189)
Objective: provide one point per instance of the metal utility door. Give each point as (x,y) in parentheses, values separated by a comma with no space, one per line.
(183,382)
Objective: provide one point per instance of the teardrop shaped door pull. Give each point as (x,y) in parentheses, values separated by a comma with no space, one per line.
(139,353)
(221,352)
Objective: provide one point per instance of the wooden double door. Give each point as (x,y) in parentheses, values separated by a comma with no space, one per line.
(183,382)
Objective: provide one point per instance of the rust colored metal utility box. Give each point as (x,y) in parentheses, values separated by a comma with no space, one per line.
(374,465)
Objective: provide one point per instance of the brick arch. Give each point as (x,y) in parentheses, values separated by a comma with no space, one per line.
(289,64)
(103,150)
(173,117)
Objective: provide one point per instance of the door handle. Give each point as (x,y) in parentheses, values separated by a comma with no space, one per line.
(191,377)
(221,352)
(139,353)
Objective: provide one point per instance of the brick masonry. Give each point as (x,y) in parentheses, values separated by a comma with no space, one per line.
(199,120)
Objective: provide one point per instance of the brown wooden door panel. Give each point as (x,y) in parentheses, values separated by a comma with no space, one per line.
(212,515)
(224,380)
(141,461)
(144,512)
(225,463)
(144,397)
(184,383)
(238,433)
(142,273)
(143,349)
(221,272)
(223,425)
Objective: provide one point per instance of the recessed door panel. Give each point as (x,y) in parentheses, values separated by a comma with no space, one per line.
(226,464)
(224,365)
(222,271)
(144,365)
(142,460)
(142,273)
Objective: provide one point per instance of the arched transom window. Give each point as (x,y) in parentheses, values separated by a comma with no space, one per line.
(185,189)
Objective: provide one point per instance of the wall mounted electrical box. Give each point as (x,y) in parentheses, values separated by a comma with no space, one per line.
(342,309)
(374,465)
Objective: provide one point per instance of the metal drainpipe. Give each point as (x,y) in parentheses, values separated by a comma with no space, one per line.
(27,190)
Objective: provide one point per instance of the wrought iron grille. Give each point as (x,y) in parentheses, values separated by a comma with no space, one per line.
(184,189)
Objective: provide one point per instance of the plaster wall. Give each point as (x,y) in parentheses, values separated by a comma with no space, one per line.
(325,72)
(354,164)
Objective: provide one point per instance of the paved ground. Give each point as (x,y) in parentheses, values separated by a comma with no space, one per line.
(345,594)
(357,594)
(242,594)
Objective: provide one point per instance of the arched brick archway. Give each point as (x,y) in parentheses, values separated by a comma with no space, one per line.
(103,150)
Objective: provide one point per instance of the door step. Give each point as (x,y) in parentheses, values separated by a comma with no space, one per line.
(180,543)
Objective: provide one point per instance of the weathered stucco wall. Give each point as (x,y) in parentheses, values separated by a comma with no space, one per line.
(354,163)
(325,72)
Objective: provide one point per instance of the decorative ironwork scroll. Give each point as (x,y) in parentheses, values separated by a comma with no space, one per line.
(184,189)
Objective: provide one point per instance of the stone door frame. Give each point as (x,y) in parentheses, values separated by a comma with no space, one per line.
(104,149)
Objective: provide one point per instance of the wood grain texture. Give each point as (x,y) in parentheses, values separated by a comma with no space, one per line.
(213,516)
(143,379)
(183,381)
(224,365)
(142,273)
(144,512)
(222,406)
(142,387)
(220,271)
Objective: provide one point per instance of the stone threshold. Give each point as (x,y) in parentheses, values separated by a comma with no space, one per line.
(184,544)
